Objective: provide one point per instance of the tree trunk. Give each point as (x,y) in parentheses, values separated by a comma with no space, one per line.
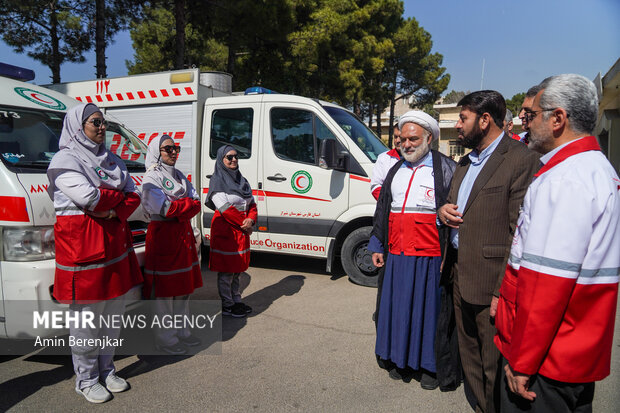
(392,107)
(370,109)
(55,64)
(100,39)
(356,105)
(378,125)
(179,14)
(230,65)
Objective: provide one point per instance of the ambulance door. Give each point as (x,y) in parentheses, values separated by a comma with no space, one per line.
(302,199)
(233,124)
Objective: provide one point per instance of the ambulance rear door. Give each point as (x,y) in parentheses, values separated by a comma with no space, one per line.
(177,120)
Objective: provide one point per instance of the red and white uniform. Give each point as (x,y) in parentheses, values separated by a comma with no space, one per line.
(412,220)
(558,298)
(171,260)
(230,246)
(384,163)
(94,256)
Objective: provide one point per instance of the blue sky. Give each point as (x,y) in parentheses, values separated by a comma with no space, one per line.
(521,42)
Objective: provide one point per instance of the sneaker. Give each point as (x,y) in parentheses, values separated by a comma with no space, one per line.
(175,349)
(234,311)
(116,384)
(244,307)
(429,381)
(190,341)
(95,393)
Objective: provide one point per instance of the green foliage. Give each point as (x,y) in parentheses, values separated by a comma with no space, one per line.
(342,49)
(514,103)
(50,31)
(455,96)
(154,38)
(358,53)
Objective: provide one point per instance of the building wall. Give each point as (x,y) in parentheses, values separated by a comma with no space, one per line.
(448,116)
(608,126)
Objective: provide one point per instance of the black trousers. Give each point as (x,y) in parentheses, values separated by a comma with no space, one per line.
(551,396)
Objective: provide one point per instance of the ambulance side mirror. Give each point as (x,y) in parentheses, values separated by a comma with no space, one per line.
(330,157)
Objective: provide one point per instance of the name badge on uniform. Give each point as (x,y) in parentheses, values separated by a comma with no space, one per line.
(425,197)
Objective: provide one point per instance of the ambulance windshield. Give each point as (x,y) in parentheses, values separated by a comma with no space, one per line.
(29,139)
(359,133)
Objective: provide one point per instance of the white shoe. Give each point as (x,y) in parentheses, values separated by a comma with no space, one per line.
(95,393)
(115,384)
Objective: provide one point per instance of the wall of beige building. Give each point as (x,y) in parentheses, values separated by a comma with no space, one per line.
(448,139)
(608,126)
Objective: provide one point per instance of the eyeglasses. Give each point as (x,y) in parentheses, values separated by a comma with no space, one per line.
(97,123)
(529,115)
(231,157)
(170,148)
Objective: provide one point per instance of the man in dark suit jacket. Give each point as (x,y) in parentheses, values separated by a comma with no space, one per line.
(487,189)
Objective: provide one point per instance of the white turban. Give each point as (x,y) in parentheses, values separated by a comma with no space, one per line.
(421,118)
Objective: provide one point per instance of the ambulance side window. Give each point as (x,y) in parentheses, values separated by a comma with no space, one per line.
(232,127)
(297,134)
(292,132)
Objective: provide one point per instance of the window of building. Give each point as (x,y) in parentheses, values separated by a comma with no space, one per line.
(456,150)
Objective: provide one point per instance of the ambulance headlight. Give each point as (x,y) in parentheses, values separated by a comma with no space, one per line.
(28,244)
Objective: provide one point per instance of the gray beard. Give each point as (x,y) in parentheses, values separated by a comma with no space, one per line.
(419,153)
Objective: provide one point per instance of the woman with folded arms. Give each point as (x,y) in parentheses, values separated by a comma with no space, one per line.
(96,266)
(171,268)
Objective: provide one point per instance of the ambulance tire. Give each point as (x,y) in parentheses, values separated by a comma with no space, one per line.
(357,260)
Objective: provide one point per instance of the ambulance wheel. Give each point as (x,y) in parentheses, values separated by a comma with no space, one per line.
(357,260)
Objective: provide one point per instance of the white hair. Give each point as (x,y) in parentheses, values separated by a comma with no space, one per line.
(577,95)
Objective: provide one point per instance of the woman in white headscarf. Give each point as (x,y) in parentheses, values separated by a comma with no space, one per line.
(171,266)
(230,196)
(96,266)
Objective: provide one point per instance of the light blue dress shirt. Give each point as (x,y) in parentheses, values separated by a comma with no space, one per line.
(478,160)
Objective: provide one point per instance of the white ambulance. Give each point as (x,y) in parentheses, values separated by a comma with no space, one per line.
(30,124)
(309,162)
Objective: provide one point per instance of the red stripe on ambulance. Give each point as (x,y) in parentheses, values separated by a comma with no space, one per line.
(121,96)
(360,178)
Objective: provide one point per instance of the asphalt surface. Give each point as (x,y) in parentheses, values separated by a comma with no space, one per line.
(308,346)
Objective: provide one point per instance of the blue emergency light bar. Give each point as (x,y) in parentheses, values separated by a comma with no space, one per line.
(258,90)
(16,72)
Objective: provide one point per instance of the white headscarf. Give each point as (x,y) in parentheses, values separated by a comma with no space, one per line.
(78,153)
(423,119)
(165,177)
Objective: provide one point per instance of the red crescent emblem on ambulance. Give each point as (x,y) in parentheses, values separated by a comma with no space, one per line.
(297,181)
(36,96)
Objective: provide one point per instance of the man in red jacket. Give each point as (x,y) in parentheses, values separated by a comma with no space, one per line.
(557,305)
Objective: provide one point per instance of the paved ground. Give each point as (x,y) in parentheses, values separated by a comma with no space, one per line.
(308,346)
